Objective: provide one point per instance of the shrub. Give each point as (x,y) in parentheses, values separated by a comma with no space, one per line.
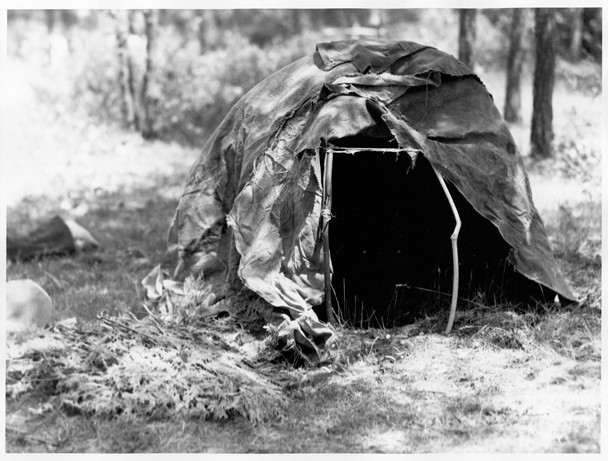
(199,89)
(95,88)
(192,92)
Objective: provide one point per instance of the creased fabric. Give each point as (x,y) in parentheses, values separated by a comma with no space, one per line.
(252,202)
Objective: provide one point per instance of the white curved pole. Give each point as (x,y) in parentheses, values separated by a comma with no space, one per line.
(454,239)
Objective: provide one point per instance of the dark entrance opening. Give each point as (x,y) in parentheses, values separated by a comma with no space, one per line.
(390,241)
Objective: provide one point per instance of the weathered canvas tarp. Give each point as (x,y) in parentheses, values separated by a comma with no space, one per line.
(251,207)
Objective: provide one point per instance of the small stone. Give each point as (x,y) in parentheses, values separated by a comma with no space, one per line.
(27,306)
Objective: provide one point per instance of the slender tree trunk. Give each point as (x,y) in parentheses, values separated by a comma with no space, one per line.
(208,30)
(131,73)
(544,79)
(201,33)
(576,37)
(512,110)
(151,21)
(127,104)
(68,19)
(296,20)
(50,17)
(466,36)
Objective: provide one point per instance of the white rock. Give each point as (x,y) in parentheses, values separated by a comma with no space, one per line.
(27,306)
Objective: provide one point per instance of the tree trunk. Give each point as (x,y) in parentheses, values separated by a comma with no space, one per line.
(544,79)
(131,73)
(209,35)
(512,111)
(466,36)
(576,37)
(127,104)
(50,16)
(68,20)
(296,20)
(50,20)
(151,20)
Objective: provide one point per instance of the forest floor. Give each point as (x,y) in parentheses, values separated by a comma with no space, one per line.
(505,381)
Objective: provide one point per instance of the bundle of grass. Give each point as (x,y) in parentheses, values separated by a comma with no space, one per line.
(148,368)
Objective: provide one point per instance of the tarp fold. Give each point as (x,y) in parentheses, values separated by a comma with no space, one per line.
(251,209)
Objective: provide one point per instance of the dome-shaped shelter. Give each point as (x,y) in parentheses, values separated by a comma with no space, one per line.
(393,114)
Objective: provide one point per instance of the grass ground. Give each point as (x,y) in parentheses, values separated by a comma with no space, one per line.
(505,381)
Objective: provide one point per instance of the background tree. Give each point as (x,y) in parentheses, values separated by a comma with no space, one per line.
(131,71)
(208,34)
(50,16)
(467,33)
(592,33)
(576,34)
(146,99)
(125,70)
(544,79)
(512,112)
(202,61)
(296,20)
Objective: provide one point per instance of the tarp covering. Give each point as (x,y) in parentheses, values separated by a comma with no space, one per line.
(251,207)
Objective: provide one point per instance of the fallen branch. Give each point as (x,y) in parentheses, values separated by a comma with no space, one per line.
(454,239)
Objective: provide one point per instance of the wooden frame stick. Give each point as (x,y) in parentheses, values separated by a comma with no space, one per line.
(326,214)
(454,239)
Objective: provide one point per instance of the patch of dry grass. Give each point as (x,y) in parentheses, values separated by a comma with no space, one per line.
(121,366)
(53,431)
(440,394)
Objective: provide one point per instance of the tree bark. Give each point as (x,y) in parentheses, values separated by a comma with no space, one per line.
(576,36)
(512,110)
(127,104)
(296,20)
(466,36)
(544,79)
(131,73)
(50,19)
(151,21)
(209,30)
